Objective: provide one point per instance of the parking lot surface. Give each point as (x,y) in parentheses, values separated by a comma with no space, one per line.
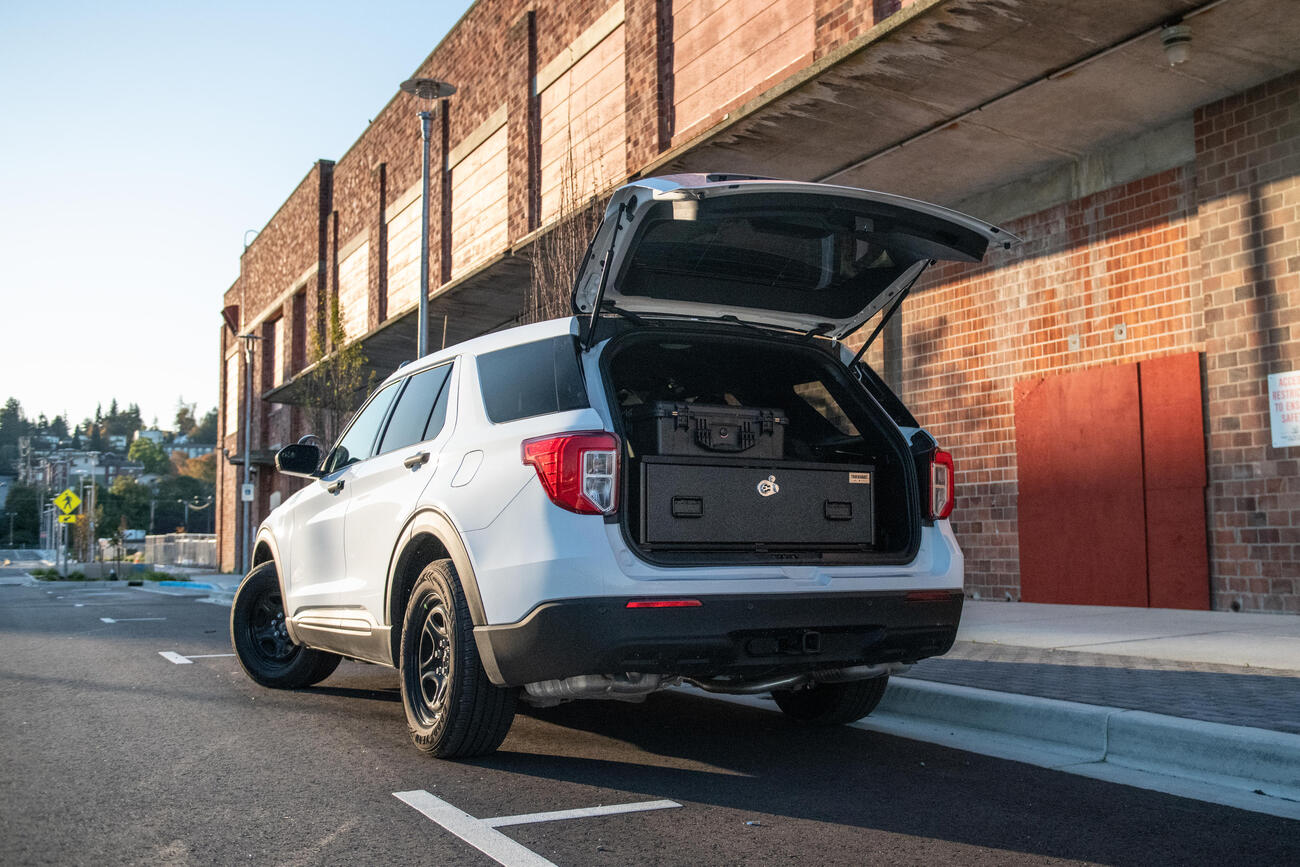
(117,753)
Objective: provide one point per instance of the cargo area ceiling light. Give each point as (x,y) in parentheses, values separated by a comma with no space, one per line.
(433,90)
(1177,42)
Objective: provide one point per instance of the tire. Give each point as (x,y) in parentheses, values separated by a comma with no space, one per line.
(261,642)
(452,709)
(828,704)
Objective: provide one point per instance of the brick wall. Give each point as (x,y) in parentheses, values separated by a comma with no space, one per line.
(1202,257)
(971,332)
(1248,187)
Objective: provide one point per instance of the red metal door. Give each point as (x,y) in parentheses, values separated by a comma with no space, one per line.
(1081,505)
(1112,486)
(1173,450)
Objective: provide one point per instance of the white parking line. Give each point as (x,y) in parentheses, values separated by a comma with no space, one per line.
(128,619)
(172,656)
(489,841)
(481,833)
(559,815)
(208,655)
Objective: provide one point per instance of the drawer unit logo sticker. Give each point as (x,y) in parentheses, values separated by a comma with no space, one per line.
(768,487)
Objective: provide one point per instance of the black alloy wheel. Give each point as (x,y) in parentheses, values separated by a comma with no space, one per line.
(452,709)
(261,639)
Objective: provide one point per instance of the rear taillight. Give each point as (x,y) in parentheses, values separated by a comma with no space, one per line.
(578,470)
(942,485)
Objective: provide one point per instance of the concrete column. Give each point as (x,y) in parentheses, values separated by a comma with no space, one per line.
(523,145)
(649,82)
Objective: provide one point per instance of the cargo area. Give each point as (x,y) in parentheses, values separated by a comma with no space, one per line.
(740,449)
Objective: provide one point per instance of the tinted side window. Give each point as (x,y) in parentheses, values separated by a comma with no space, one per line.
(414,408)
(357,443)
(532,379)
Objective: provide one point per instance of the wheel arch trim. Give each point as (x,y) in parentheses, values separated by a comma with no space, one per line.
(434,523)
(265,542)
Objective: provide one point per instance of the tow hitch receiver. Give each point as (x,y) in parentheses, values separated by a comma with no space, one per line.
(804,643)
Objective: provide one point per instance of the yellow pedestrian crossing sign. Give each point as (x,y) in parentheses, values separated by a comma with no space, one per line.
(67,519)
(67,502)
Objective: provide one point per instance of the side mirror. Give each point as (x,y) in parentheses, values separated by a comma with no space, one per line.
(299,459)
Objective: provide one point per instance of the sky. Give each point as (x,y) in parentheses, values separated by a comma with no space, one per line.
(138,143)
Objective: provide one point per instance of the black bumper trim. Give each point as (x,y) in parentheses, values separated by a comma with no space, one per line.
(753,635)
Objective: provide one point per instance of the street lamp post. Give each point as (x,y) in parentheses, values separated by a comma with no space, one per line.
(248,444)
(432,90)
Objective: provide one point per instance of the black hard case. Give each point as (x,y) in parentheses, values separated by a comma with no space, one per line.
(668,428)
(700,503)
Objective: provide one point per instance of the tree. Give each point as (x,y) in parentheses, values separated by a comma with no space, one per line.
(336,381)
(126,499)
(557,254)
(185,422)
(13,424)
(150,454)
(206,430)
(203,468)
(24,503)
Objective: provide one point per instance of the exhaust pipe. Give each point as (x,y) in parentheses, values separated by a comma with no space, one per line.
(794,681)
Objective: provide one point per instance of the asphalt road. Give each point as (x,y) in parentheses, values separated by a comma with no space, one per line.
(112,754)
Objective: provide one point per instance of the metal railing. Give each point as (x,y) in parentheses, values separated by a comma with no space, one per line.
(181,549)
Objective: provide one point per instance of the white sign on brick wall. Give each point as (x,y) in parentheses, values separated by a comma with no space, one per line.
(1284,408)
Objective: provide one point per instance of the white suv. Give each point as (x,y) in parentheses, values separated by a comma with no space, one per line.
(691,480)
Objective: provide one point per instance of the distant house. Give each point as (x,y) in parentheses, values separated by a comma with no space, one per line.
(64,468)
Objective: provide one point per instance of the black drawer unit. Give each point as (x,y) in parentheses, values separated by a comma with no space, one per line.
(667,428)
(698,503)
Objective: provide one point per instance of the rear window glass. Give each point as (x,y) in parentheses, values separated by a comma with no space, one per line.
(760,252)
(532,379)
(816,396)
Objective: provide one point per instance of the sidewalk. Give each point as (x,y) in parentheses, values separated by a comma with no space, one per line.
(1199,704)
(1237,669)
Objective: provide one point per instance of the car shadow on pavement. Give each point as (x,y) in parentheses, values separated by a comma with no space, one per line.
(390,695)
(694,749)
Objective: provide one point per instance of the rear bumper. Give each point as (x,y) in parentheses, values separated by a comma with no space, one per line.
(726,635)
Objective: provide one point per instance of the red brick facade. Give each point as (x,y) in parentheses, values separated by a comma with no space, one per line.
(1202,256)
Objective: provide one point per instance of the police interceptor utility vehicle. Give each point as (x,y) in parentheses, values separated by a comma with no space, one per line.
(692,480)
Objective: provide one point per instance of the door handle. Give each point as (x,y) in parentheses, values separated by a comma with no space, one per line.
(418,459)
(335,486)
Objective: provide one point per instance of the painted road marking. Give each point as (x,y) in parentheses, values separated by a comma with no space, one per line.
(173,656)
(128,619)
(560,815)
(482,833)
(489,841)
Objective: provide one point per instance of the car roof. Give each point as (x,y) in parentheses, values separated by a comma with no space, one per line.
(488,343)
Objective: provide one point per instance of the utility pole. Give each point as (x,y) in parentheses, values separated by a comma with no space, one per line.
(94,543)
(245,545)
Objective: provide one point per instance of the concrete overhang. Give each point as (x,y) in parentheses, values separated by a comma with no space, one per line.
(943,101)
(487,297)
(950,98)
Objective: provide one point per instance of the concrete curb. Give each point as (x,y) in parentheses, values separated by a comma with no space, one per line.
(1235,757)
